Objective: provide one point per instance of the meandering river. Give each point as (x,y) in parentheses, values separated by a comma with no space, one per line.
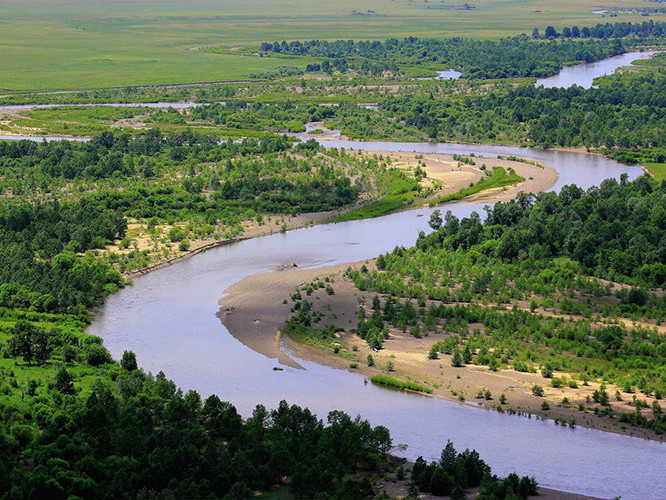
(583,75)
(168,319)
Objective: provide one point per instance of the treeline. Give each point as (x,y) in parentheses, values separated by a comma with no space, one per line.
(135,435)
(109,154)
(251,174)
(646,29)
(38,266)
(614,231)
(256,115)
(506,58)
(454,472)
(625,113)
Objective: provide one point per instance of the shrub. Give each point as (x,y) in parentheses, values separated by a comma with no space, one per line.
(97,355)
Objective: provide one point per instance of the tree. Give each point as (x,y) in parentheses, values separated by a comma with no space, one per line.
(448,457)
(456,360)
(64,382)
(440,482)
(550,32)
(97,355)
(128,361)
(29,342)
(435,221)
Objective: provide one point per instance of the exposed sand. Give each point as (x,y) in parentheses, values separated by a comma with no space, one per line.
(447,175)
(255,313)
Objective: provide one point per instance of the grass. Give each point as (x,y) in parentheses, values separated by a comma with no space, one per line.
(399,384)
(384,206)
(658,170)
(15,369)
(498,178)
(83,44)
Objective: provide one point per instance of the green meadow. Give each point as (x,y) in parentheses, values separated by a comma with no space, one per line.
(82,44)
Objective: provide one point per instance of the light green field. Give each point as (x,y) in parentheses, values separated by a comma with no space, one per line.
(658,170)
(55,44)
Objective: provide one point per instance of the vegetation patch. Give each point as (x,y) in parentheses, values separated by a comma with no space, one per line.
(399,384)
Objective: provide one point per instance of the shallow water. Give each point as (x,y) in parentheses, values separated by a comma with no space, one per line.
(155,105)
(168,318)
(449,74)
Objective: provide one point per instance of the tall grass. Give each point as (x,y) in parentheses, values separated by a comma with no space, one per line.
(399,384)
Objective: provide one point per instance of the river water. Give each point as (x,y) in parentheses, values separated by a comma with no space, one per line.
(583,75)
(168,318)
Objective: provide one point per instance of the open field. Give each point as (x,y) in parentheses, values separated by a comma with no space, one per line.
(120,43)
(658,170)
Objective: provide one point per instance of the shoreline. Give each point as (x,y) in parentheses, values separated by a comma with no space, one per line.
(255,312)
(444,174)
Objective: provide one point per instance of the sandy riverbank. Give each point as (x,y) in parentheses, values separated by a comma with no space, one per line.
(255,312)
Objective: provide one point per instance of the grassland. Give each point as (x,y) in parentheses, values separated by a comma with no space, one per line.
(82,44)
(657,169)
(399,384)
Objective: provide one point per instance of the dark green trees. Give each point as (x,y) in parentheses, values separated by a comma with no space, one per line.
(456,472)
(128,361)
(29,342)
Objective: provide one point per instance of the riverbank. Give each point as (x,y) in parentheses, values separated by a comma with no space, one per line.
(398,488)
(255,311)
(444,175)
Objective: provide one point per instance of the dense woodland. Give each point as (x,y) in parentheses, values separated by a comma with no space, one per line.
(204,187)
(506,58)
(624,115)
(646,29)
(135,435)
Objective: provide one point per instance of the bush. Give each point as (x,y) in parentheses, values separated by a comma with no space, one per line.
(537,390)
(176,234)
(97,355)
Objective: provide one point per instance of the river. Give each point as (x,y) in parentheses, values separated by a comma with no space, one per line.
(168,318)
(584,74)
